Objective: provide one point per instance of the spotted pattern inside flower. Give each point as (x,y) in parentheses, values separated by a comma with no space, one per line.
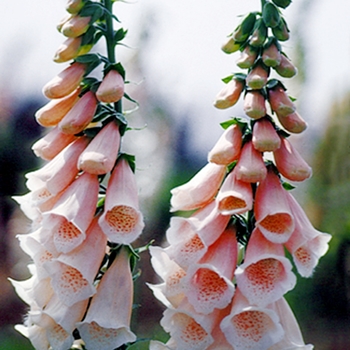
(280,223)
(71,281)
(190,251)
(210,285)
(264,274)
(122,219)
(173,281)
(303,256)
(232,203)
(251,325)
(67,236)
(96,332)
(193,245)
(191,333)
(57,335)
(45,256)
(42,194)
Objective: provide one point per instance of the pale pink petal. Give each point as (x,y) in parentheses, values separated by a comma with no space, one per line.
(220,341)
(122,221)
(107,323)
(265,137)
(273,215)
(250,166)
(72,214)
(290,163)
(293,338)
(157,345)
(266,274)
(200,190)
(101,154)
(235,196)
(37,336)
(251,327)
(228,148)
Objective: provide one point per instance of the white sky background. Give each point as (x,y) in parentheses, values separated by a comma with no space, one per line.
(184,60)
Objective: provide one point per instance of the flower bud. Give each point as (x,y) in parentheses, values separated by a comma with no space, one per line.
(254,104)
(75,26)
(243,31)
(293,123)
(60,24)
(290,163)
(282,3)
(230,46)
(259,34)
(281,32)
(286,69)
(53,112)
(257,77)
(74,6)
(112,87)
(80,115)
(229,94)
(271,55)
(280,102)
(265,137)
(65,82)
(270,15)
(69,50)
(248,57)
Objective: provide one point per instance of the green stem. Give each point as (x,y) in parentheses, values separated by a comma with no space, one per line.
(110,44)
(263,2)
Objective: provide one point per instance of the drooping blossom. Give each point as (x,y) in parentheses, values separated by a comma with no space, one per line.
(254,104)
(122,221)
(271,56)
(112,87)
(228,148)
(293,123)
(257,77)
(106,325)
(229,94)
(247,57)
(200,190)
(280,102)
(265,137)
(75,26)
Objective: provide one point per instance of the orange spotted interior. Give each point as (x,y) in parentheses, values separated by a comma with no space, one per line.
(72,281)
(191,331)
(122,219)
(278,223)
(231,203)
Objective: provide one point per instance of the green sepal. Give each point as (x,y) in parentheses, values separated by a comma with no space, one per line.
(272,83)
(237,76)
(130,158)
(92,9)
(271,15)
(281,32)
(235,121)
(91,60)
(282,3)
(243,30)
(287,186)
(114,66)
(101,201)
(259,34)
(119,35)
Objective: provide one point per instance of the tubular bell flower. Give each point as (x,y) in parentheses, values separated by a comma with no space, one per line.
(293,123)
(68,50)
(229,94)
(106,325)
(228,148)
(250,166)
(266,274)
(251,327)
(122,222)
(101,154)
(290,163)
(265,137)
(254,104)
(112,87)
(257,77)
(200,190)
(280,102)
(75,26)
(273,214)
(65,82)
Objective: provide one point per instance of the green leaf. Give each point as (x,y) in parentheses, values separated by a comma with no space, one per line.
(287,186)
(119,35)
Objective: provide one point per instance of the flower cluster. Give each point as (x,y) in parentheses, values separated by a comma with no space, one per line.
(224,272)
(81,230)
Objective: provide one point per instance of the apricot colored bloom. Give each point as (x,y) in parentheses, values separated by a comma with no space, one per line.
(101,154)
(80,116)
(228,147)
(257,77)
(280,102)
(75,26)
(271,56)
(290,163)
(200,190)
(122,221)
(65,82)
(106,325)
(293,123)
(266,274)
(229,94)
(112,87)
(274,217)
(235,196)
(52,143)
(250,166)
(254,104)
(251,327)
(265,137)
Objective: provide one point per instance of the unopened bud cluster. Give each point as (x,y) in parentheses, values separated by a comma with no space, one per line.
(83,202)
(224,272)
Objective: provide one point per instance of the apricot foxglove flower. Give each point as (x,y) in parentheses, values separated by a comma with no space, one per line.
(229,94)
(122,221)
(254,104)
(75,26)
(290,163)
(81,114)
(200,190)
(101,154)
(273,214)
(71,216)
(228,148)
(235,196)
(265,137)
(53,112)
(250,166)
(266,274)
(271,56)
(251,327)
(112,87)
(257,77)
(106,325)
(247,57)
(65,82)
(293,123)
(280,102)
